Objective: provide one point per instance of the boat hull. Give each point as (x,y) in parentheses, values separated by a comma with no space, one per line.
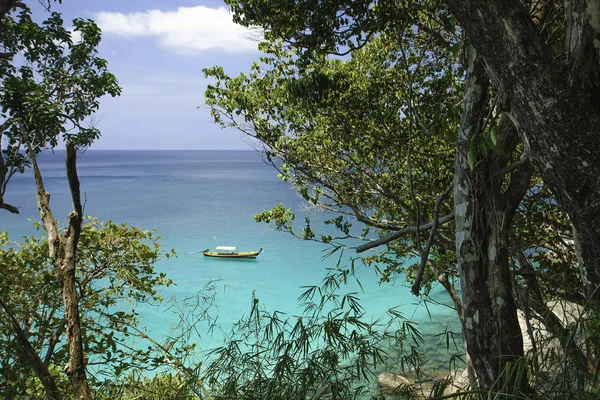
(241,254)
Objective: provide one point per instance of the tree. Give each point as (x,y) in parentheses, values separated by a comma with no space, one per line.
(550,90)
(115,263)
(491,172)
(347,148)
(48,98)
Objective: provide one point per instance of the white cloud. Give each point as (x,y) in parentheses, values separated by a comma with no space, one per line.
(186,30)
(75,35)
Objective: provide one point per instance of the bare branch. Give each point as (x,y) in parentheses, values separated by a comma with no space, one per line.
(522,160)
(75,218)
(425,254)
(43,200)
(453,295)
(9,207)
(402,232)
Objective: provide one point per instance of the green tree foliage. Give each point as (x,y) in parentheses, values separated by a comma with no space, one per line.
(366,109)
(48,97)
(115,271)
(50,90)
(367,138)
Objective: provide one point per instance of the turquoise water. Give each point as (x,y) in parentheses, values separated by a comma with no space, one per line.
(198,200)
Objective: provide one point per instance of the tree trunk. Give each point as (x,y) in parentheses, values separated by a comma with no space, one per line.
(62,250)
(483,216)
(555,105)
(76,369)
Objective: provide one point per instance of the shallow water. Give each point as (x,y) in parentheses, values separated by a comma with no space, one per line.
(198,200)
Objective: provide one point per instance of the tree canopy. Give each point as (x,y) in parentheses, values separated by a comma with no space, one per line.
(115,268)
(403,116)
(50,95)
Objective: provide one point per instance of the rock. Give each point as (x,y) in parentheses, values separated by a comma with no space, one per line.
(568,313)
(459,382)
(389,383)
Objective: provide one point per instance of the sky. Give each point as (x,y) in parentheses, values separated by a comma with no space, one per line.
(157,50)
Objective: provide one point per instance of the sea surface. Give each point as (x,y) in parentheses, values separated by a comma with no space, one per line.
(202,199)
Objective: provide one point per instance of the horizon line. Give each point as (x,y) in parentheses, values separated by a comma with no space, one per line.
(90,149)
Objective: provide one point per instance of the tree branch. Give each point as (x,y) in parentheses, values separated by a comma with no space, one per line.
(522,160)
(425,254)
(9,207)
(43,203)
(551,321)
(75,217)
(34,361)
(53,341)
(402,232)
(453,295)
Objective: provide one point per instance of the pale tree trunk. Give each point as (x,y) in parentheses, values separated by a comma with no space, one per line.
(62,251)
(555,103)
(483,218)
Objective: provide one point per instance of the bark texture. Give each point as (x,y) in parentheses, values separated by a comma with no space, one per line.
(483,218)
(554,103)
(62,251)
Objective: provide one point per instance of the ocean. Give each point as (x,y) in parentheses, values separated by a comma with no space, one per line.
(202,199)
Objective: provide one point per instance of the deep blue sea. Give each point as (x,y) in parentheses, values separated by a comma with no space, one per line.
(198,200)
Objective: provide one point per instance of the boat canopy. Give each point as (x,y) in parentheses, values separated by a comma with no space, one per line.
(226,248)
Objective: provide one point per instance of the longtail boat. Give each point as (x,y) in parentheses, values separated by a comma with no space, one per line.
(230,252)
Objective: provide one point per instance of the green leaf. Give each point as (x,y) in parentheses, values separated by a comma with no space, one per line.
(494,134)
(457,47)
(471,152)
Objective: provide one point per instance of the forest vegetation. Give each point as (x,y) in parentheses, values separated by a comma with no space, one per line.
(454,143)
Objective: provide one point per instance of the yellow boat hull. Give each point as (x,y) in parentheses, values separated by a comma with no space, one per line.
(241,254)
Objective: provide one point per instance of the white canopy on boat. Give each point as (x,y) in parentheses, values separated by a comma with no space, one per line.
(226,248)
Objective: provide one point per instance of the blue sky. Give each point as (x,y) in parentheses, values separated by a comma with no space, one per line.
(157,50)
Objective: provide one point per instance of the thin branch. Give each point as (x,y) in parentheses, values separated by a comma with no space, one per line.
(34,361)
(522,160)
(359,46)
(443,279)
(402,232)
(425,254)
(54,339)
(11,208)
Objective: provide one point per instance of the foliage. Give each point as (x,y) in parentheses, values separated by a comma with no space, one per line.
(367,138)
(51,87)
(115,271)
(357,104)
(165,386)
(328,350)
